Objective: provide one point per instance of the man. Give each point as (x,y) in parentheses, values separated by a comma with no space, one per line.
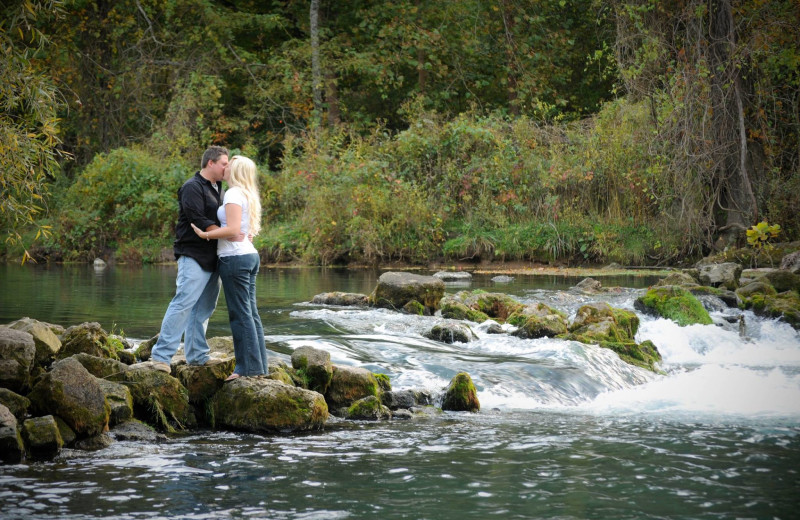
(198,282)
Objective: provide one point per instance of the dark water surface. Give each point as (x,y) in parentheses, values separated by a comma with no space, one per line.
(565,431)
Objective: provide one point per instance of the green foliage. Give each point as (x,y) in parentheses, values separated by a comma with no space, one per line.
(760,235)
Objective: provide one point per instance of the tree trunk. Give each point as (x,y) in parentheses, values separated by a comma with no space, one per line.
(316,70)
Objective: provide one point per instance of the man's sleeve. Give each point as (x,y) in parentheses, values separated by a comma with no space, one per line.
(193,205)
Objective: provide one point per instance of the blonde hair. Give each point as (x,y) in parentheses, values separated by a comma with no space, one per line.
(244,175)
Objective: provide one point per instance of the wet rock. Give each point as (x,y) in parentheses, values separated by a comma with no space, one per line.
(203,381)
(406,399)
(451,332)
(764,300)
(12,449)
(119,400)
(88,338)
(728,298)
(452,309)
(67,433)
(101,368)
(342,299)
(781,281)
(42,438)
(368,409)
(257,404)
(17,353)
(453,276)
(538,321)
(46,342)
(674,303)
(461,395)
(402,415)
(95,442)
(589,286)
(494,328)
(791,262)
(503,279)
(497,306)
(415,308)
(17,404)
(348,385)
(145,348)
(726,275)
(137,431)
(394,290)
(69,391)
(159,399)
(280,371)
(314,367)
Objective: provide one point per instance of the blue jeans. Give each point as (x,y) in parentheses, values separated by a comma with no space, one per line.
(238,274)
(188,313)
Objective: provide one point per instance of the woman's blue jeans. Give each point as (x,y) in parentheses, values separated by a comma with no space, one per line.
(238,274)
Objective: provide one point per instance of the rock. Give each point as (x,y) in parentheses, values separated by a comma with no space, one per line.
(452,309)
(348,385)
(755,288)
(782,281)
(94,443)
(342,299)
(680,278)
(99,263)
(203,381)
(159,399)
(589,285)
(538,321)
(673,303)
(42,437)
(394,290)
(765,301)
(461,395)
(726,274)
(494,328)
(46,342)
(503,279)
(17,404)
(791,262)
(119,400)
(414,307)
(126,357)
(101,368)
(221,347)
(498,306)
(406,399)
(256,404)
(137,431)
(69,391)
(451,332)
(725,296)
(67,433)
(368,409)
(279,371)
(402,415)
(17,353)
(613,266)
(384,383)
(314,367)
(12,449)
(145,348)
(453,276)
(88,338)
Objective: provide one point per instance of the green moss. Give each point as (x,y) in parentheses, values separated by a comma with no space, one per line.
(414,307)
(627,322)
(677,304)
(384,382)
(644,355)
(461,395)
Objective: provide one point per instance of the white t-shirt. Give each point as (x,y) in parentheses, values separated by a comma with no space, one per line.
(224,246)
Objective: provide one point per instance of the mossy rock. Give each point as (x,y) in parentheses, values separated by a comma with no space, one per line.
(101,367)
(782,281)
(673,303)
(17,355)
(785,306)
(17,404)
(42,438)
(644,355)
(257,404)
(368,409)
(395,290)
(145,348)
(451,332)
(280,371)
(341,299)
(119,400)
(384,382)
(534,327)
(679,278)
(461,395)
(203,381)
(46,342)
(761,288)
(348,385)
(414,307)
(12,448)
(159,399)
(314,368)
(452,309)
(88,338)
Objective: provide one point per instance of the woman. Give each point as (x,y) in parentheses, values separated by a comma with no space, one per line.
(238,264)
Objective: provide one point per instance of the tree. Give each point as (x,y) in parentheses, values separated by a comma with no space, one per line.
(28,118)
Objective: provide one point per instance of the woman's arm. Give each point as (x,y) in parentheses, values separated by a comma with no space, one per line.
(233,215)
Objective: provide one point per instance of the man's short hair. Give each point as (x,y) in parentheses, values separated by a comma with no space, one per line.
(213,153)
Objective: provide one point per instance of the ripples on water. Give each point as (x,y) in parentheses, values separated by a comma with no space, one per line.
(566,431)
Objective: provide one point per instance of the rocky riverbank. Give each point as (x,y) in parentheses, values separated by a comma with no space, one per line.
(81,387)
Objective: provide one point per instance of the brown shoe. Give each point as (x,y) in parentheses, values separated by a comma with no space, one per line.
(154,365)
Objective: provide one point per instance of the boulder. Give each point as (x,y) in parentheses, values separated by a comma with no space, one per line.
(159,399)
(12,449)
(406,399)
(256,404)
(782,281)
(89,338)
(461,395)
(101,368)
(42,438)
(119,400)
(453,309)
(348,385)
(17,404)
(538,321)
(95,442)
(791,262)
(414,307)
(503,278)
(368,409)
(314,367)
(497,306)
(726,275)
(451,332)
(17,353)
(394,290)
(453,276)
(135,430)
(69,391)
(589,286)
(680,278)
(46,342)
(203,381)
(67,433)
(343,299)
(673,303)
(145,348)
(280,371)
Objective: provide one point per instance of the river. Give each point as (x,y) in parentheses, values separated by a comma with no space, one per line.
(565,430)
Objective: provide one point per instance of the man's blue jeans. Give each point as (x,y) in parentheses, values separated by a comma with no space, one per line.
(188,312)
(238,274)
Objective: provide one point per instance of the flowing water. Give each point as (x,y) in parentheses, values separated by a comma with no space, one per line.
(566,430)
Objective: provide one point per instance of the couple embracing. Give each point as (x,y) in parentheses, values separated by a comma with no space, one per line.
(214,244)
